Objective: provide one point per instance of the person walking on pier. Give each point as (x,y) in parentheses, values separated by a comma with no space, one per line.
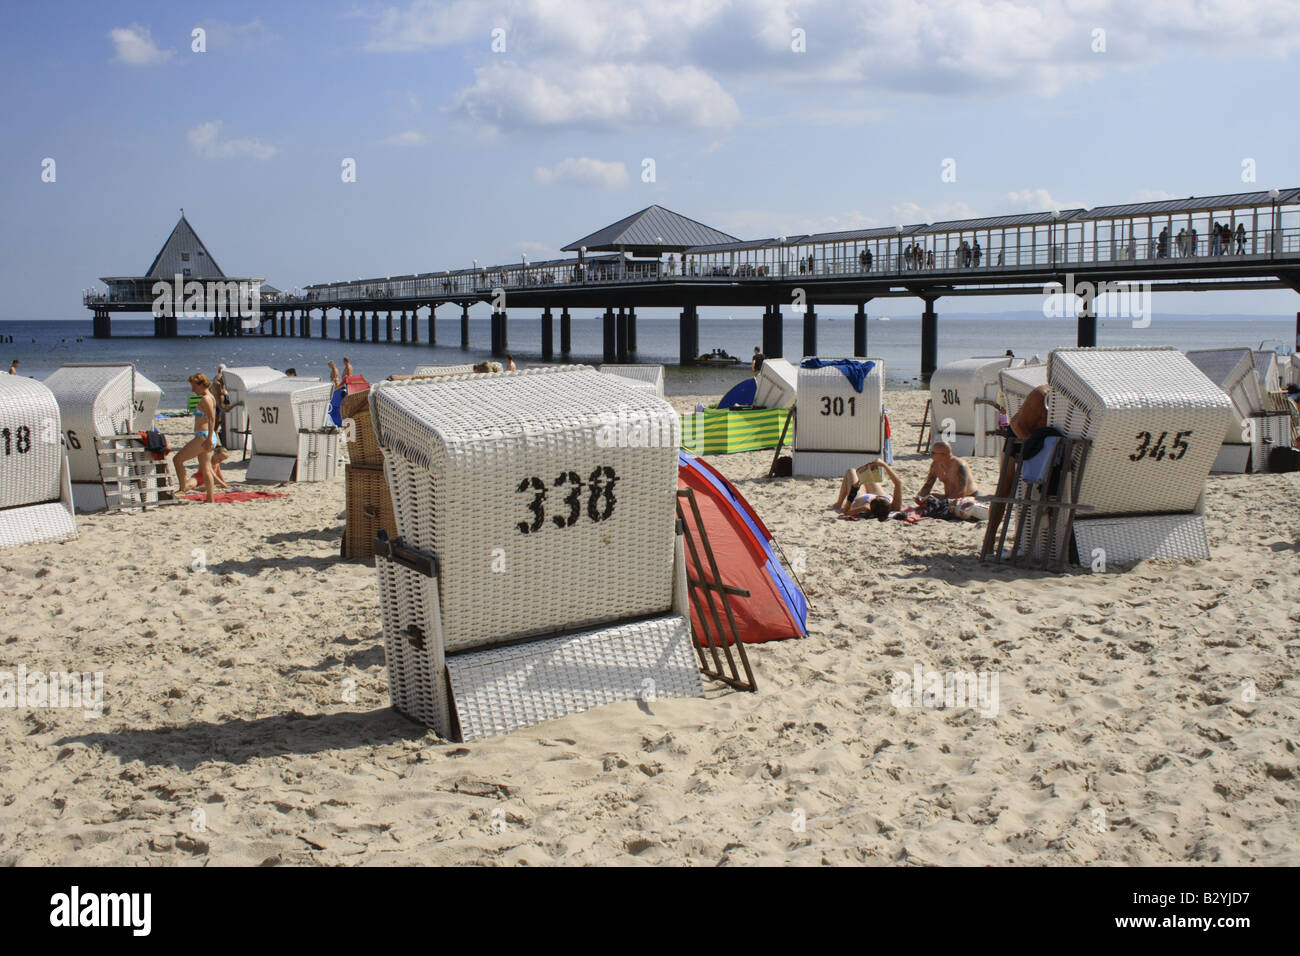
(1241,238)
(976,252)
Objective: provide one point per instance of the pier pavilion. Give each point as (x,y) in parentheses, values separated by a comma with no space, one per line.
(656,258)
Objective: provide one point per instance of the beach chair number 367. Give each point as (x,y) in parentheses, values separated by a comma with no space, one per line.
(1158,451)
(599,504)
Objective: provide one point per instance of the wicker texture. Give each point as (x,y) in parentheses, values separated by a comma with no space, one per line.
(318,454)
(953,390)
(239,382)
(777,384)
(457,452)
(441,370)
(31,524)
(279,409)
(1017,383)
(1156,537)
(413,646)
(147,398)
(369,507)
(1233,370)
(1272,429)
(650,377)
(502,689)
(364,448)
(834,417)
(94,401)
(31,456)
(1115,396)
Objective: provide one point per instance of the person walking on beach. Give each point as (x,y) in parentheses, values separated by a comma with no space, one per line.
(13,369)
(334,375)
(756,362)
(199,446)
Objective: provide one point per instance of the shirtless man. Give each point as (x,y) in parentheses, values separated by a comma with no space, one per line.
(1032,415)
(953,473)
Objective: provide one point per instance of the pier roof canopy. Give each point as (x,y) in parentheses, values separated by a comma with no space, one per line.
(184,254)
(651,232)
(1193,204)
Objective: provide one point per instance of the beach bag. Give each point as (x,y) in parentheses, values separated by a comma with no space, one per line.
(784,467)
(1282,460)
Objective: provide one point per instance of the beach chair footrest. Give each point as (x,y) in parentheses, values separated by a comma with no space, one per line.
(1179,537)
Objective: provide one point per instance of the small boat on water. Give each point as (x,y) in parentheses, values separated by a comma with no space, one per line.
(717,357)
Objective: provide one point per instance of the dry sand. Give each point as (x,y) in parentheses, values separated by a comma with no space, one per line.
(246,716)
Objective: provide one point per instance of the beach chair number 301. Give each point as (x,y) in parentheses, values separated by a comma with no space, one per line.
(600,498)
(1158,452)
(835,406)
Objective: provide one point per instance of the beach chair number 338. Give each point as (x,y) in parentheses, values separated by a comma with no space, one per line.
(1158,451)
(600,499)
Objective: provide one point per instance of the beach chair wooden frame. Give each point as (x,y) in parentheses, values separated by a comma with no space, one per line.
(924,430)
(1035,504)
(129,475)
(780,444)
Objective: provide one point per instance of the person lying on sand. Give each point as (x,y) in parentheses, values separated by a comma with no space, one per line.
(950,471)
(1032,415)
(858,496)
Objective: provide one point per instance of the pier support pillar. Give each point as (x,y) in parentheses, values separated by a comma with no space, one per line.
(609,336)
(388,327)
(548,336)
(464,327)
(631,330)
(688,335)
(352,325)
(171,326)
(403,331)
(809,331)
(929,341)
(306,324)
(374,326)
(237,322)
(773,346)
(860,331)
(620,335)
(415,326)
(295,320)
(1086,332)
(565,331)
(500,335)
(433,325)
(103,326)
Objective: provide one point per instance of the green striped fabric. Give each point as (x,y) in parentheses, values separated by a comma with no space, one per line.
(717,431)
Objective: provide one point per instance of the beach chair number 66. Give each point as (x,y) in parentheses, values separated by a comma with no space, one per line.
(600,498)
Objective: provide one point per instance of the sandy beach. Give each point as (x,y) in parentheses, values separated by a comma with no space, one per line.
(1145,716)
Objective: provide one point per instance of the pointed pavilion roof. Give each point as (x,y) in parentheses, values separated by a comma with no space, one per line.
(184,250)
(640,233)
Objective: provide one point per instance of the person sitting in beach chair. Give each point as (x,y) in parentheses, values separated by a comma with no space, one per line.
(950,471)
(1032,414)
(862,490)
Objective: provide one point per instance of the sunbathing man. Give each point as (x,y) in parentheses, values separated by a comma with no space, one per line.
(857,496)
(949,470)
(1032,415)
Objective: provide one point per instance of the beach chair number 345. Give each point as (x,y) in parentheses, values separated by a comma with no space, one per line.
(600,498)
(1158,451)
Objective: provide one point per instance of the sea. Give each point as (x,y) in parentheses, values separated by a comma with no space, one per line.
(42,346)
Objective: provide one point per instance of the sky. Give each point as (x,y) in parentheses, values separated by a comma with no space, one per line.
(488,130)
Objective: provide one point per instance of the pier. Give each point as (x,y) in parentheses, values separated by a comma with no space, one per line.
(658,259)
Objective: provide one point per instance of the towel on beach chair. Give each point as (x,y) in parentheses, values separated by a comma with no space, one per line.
(856,372)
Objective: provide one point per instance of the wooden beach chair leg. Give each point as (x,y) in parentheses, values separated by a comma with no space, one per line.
(921,443)
(776,456)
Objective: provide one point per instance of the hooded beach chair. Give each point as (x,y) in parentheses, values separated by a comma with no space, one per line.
(293,439)
(963,402)
(35,490)
(648,377)
(95,402)
(839,417)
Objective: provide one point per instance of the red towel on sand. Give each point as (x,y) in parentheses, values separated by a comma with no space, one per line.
(226,497)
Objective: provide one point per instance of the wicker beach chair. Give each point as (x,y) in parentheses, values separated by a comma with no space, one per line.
(1233,370)
(1017,383)
(648,377)
(778,384)
(963,396)
(536,571)
(1156,424)
(426,370)
(292,436)
(95,401)
(239,381)
(35,488)
(147,398)
(837,427)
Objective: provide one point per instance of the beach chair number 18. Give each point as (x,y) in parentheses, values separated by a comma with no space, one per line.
(836,406)
(1157,451)
(20,440)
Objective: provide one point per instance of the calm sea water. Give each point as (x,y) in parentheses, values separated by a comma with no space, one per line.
(41,347)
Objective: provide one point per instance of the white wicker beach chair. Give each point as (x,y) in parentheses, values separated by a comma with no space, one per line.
(536,572)
(957,417)
(838,427)
(277,413)
(443,369)
(1156,424)
(1233,370)
(238,383)
(648,377)
(94,401)
(1016,384)
(147,398)
(778,384)
(35,490)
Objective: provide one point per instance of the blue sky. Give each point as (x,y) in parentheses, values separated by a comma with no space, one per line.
(463,152)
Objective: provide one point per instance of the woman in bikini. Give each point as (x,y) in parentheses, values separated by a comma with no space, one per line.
(200,446)
(857,496)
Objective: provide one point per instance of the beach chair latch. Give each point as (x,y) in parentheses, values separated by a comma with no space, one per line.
(416,560)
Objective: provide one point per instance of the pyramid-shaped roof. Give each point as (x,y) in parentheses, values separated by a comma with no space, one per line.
(184,250)
(641,232)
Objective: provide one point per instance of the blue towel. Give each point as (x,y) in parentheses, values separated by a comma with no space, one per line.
(856,372)
(1035,469)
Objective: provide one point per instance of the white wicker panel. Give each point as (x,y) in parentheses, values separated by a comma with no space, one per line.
(1266,371)
(239,381)
(502,689)
(1233,370)
(953,390)
(31,456)
(278,409)
(458,451)
(29,524)
(1156,537)
(147,397)
(265,467)
(1232,459)
(1017,383)
(443,369)
(1272,429)
(835,417)
(318,455)
(778,384)
(643,375)
(1113,397)
(94,400)
(413,645)
(827,464)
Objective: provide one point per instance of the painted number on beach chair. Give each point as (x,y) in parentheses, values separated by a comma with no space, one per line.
(71,440)
(270,414)
(835,406)
(950,396)
(600,498)
(19,440)
(1158,451)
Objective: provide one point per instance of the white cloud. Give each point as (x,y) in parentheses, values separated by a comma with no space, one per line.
(1036,200)
(410,137)
(205,139)
(1155,195)
(134,45)
(583,171)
